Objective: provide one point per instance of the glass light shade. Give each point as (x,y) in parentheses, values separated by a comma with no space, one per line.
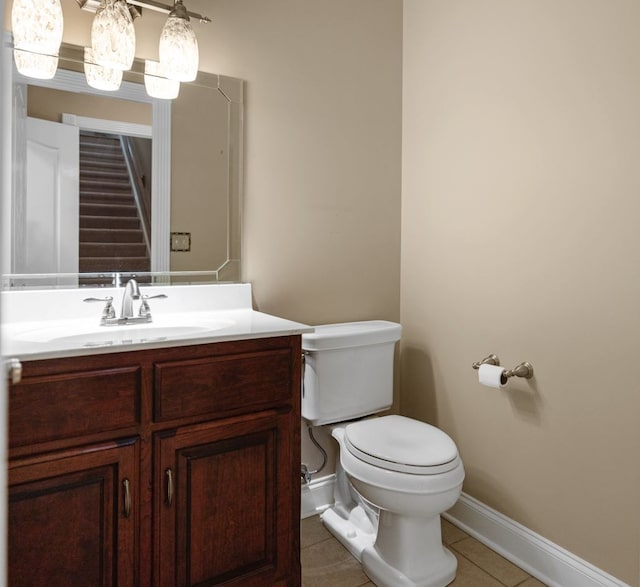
(35,64)
(99,77)
(37,26)
(178,46)
(113,38)
(156,84)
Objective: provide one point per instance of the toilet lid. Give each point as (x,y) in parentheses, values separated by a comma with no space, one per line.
(401,444)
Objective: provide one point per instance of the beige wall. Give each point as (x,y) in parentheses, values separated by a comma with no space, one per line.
(322,182)
(520,208)
(50,104)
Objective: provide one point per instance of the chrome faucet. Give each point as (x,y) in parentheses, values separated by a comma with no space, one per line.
(131,293)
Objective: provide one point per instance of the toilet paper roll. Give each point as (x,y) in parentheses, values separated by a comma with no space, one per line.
(491,375)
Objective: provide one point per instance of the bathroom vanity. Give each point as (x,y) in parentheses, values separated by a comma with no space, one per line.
(157,462)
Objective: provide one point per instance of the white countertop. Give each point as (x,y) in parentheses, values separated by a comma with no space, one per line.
(57,323)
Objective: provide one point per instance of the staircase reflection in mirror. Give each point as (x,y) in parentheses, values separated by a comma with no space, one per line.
(114,205)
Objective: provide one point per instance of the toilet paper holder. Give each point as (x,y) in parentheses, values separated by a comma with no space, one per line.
(490,360)
(524,369)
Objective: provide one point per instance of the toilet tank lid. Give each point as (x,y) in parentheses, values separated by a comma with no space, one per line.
(351,334)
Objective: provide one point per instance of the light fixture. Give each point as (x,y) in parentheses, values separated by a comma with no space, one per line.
(157,84)
(35,65)
(37,35)
(113,38)
(98,76)
(178,46)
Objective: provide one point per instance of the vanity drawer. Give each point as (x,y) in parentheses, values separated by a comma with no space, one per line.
(67,405)
(217,385)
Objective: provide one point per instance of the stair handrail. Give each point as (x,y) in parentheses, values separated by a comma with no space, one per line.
(141,194)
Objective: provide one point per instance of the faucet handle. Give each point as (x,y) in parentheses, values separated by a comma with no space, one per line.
(108,312)
(145,310)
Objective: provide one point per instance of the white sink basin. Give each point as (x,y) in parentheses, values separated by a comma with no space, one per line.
(82,333)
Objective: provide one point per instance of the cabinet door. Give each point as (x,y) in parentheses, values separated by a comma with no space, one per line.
(223,501)
(72,517)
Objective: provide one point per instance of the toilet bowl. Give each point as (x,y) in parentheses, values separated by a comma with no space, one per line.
(410,488)
(395,475)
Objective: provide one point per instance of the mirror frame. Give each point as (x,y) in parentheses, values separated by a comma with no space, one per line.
(70,79)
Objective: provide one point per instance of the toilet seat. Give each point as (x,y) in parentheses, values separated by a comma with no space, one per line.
(400,444)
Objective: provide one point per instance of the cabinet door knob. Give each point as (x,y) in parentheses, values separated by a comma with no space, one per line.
(169,478)
(127,498)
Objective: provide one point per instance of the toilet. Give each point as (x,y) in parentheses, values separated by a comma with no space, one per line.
(395,475)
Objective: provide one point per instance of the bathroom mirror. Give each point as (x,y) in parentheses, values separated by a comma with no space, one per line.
(195,177)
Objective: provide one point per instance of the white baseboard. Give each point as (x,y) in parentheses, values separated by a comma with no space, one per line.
(317,496)
(541,558)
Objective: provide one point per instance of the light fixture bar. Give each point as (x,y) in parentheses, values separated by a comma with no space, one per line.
(92,6)
(159,7)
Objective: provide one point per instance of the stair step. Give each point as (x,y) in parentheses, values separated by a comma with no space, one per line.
(92,164)
(109,222)
(119,176)
(107,192)
(111,264)
(100,154)
(106,236)
(105,198)
(99,162)
(105,187)
(87,140)
(100,150)
(117,210)
(105,173)
(113,250)
(93,144)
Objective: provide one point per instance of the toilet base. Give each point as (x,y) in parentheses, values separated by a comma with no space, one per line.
(408,552)
(351,520)
(384,575)
(355,532)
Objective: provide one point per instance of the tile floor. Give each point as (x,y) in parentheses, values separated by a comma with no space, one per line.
(326,563)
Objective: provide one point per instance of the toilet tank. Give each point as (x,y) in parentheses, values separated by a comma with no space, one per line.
(348,370)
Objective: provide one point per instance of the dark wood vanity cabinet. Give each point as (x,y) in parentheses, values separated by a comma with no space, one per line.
(168,467)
